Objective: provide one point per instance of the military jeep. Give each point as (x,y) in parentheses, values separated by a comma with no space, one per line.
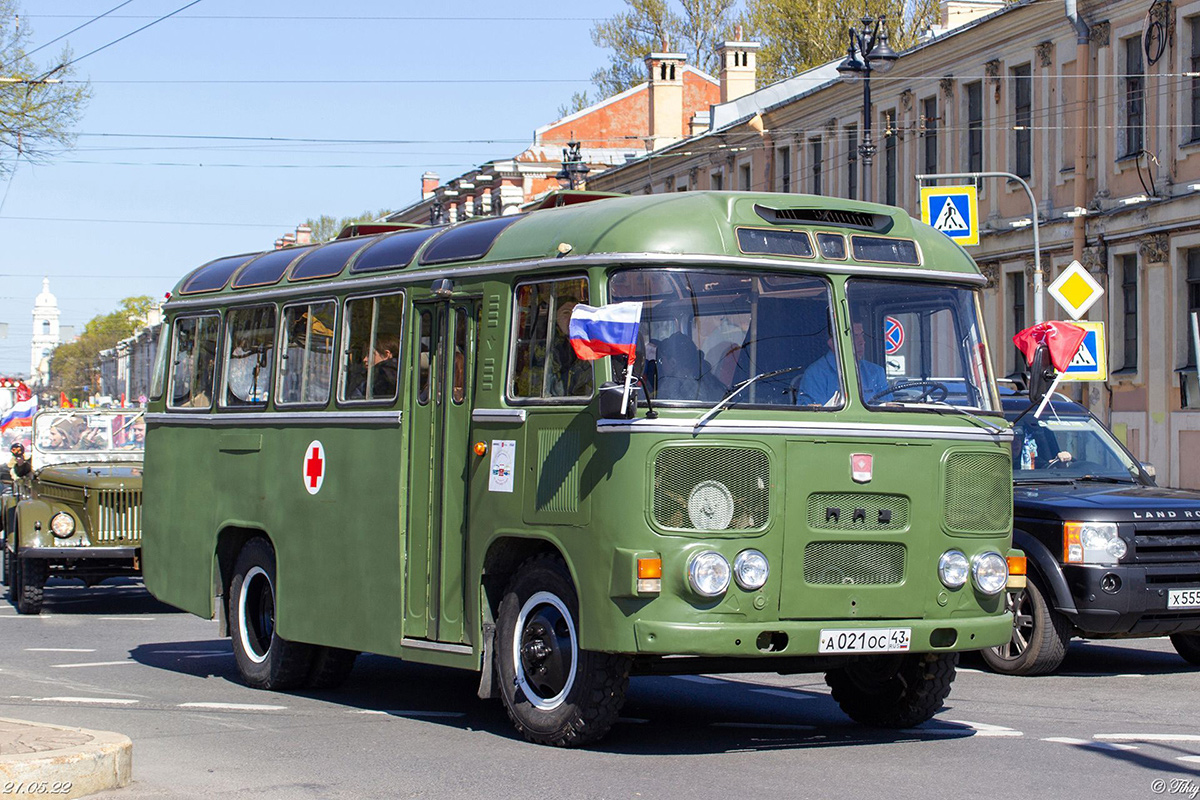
(79,513)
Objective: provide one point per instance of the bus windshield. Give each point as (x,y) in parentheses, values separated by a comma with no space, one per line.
(704,332)
(928,339)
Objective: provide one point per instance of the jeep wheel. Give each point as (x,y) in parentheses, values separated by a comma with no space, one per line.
(1188,646)
(29,580)
(265,660)
(554,692)
(1039,640)
(893,691)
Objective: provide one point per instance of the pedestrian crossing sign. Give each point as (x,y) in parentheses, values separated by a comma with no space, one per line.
(1090,362)
(953,210)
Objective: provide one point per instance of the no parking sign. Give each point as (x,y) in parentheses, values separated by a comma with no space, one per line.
(893,336)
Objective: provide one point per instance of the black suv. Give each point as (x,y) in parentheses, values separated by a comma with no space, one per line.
(1110,554)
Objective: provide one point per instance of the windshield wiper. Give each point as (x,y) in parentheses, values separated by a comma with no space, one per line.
(959,410)
(1103,479)
(736,390)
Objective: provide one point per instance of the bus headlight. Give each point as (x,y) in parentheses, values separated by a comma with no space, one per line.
(710,506)
(708,574)
(990,572)
(62,525)
(953,569)
(750,569)
(1092,543)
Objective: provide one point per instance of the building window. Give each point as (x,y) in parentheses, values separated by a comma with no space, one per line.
(975,127)
(716,181)
(929,116)
(852,162)
(1022,121)
(816,149)
(1194,22)
(1193,299)
(889,158)
(744,174)
(1016,291)
(1135,86)
(785,169)
(1129,317)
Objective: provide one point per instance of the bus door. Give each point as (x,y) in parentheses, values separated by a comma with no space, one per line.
(442,373)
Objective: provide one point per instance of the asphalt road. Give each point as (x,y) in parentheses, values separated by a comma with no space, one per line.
(1120,716)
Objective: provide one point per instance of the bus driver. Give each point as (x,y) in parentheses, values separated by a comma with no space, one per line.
(822,384)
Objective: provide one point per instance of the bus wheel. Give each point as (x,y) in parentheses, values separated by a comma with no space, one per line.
(554,692)
(893,691)
(1039,640)
(331,666)
(29,581)
(265,660)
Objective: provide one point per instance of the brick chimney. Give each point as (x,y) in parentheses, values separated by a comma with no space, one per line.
(666,98)
(303,235)
(738,67)
(429,184)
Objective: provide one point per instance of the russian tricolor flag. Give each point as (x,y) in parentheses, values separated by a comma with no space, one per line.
(609,330)
(20,415)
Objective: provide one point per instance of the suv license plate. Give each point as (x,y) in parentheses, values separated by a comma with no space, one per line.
(868,640)
(1183,598)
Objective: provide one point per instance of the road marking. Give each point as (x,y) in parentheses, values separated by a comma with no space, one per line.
(232,707)
(1129,675)
(696,679)
(980,729)
(88,700)
(1189,759)
(969,669)
(127,619)
(1091,745)
(1148,737)
(405,712)
(791,695)
(59,650)
(94,664)
(212,655)
(189,652)
(775,726)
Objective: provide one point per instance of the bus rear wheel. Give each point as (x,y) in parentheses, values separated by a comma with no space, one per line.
(555,693)
(893,691)
(264,659)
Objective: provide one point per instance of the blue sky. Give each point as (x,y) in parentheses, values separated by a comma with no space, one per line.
(124,215)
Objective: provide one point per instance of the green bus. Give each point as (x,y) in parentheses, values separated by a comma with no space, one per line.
(387,443)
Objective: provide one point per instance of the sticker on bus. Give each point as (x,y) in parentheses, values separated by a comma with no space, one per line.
(504,464)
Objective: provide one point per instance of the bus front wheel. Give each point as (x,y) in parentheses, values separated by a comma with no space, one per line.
(893,691)
(555,693)
(265,659)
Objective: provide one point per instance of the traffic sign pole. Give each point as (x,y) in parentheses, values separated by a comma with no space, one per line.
(1039,277)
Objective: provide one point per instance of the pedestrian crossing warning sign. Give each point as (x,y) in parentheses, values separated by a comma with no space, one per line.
(953,210)
(1090,362)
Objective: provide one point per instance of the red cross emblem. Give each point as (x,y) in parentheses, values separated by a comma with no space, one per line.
(314,467)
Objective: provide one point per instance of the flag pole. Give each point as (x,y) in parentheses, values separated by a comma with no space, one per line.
(1049,393)
(628,383)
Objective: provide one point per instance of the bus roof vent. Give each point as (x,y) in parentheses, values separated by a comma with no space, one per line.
(214,275)
(466,242)
(862,220)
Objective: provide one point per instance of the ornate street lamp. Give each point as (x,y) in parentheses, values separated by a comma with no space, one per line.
(868,52)
(573,171)
(436,212)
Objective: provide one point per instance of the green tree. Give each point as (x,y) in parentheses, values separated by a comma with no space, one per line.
(38,106)
(799,34)
(325,227)
(694,27)
(578,102)
(73,365)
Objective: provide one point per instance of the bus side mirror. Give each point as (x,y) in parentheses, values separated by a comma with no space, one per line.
(1041,374)
(611,393)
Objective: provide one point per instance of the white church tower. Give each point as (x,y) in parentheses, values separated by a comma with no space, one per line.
(45,335)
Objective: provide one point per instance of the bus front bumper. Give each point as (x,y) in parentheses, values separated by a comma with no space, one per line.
(802,638)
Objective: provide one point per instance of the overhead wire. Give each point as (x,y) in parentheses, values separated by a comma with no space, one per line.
(68,33)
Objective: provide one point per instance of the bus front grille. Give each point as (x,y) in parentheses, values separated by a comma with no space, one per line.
(693,487)
(118,516)
(857,511)
(979,493)
(853,563)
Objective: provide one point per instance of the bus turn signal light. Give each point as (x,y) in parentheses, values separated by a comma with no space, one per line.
(480,449)
(1016,572)
(649,575)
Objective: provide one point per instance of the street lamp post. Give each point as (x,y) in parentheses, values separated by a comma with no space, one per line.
(868,52)
(573,171)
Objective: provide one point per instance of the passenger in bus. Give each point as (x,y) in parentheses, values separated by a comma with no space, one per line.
(384,363)
(570,376)
(822,383)
(684,373)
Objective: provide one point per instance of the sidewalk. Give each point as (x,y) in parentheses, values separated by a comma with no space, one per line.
(39,760)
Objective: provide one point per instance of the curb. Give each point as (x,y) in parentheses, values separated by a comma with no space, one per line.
(67,763)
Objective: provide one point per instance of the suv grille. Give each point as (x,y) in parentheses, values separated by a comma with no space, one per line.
(1168,543)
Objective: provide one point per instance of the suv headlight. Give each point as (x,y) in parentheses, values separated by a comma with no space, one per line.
(62,525)
(953,569)
(1092,543)
(708,573)
(990,572)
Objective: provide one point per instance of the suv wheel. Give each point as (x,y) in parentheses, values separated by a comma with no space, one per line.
(1188,646)
(1040,636)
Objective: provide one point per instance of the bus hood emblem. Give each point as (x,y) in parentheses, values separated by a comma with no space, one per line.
(861,467)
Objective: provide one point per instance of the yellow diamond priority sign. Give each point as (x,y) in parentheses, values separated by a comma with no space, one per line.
(1075,290)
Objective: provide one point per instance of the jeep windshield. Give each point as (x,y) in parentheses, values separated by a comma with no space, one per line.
(1061,447)
(82,435)
(920,346)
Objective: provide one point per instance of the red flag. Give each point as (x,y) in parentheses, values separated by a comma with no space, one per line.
(1062,339)
(122,399)
(64,401)
(23,392)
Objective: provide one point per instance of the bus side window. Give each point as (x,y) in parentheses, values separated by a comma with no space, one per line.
(371,349)
(544,364)
(194,362)
(306,363)
(249,355)
(424,356)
